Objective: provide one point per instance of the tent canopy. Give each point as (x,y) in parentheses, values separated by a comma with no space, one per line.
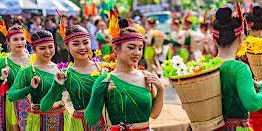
(49,6)
(16,6)
(72,9)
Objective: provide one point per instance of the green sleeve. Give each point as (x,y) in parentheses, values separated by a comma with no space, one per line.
(51,97)
(251,100)
(20,88)
(94,109)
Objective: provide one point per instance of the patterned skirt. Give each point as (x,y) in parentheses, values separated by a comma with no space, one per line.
(236,124)
(22,108)
(55,120)
(78,123)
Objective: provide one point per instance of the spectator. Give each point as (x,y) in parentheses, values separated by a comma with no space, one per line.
(36,25)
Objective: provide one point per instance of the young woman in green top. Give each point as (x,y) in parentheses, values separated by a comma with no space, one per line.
(238,92)
(130,96)
(254,21)
(36,80)
(13,114)
(78,81)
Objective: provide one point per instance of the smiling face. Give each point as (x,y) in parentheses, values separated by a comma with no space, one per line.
(45,52)
(17,42)
(129,52)
(80,48)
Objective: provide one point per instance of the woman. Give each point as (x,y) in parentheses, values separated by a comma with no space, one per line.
(129,95)
(237,86)
(254,20)
(36,80)
(153,48)
(103,38)
(13,114)
(78,81)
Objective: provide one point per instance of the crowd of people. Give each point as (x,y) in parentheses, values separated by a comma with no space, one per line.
(39,96)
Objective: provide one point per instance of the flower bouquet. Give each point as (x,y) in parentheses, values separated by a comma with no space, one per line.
(3,54)
(252,48)
(104,63)
(198,85)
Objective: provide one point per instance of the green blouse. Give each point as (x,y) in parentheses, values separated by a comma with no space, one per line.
(13,66)
(79,87)
(22,85)
(126,103)
(238,92)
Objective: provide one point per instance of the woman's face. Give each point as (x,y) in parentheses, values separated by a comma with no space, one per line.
(80,48)
(102,25)
(130,52)
(45,52)
(17,42)
(255,33)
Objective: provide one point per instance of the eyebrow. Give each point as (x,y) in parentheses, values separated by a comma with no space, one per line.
(132,44)
(75,41)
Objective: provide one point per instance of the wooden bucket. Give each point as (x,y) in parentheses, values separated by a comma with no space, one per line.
(201,99)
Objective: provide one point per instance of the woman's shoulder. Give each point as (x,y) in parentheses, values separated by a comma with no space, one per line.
(235,65)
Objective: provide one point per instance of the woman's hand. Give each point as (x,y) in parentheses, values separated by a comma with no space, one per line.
(5,72)
(258,83)
(60,77)
(35,81)
(153,79)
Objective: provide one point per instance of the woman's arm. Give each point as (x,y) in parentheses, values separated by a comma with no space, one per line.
(20,88)
(94,109)
(51,97)
(251,100)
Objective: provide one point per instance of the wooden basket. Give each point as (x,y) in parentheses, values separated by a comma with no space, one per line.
(201,99)
(255,63)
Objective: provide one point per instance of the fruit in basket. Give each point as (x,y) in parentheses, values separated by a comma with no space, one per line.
(176,66)
(198,69)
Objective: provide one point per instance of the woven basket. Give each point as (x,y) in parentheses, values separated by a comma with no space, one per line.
(255,62)
(201,99)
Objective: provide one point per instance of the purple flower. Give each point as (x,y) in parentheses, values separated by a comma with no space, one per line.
(95,59)
(65,65)
(62,65)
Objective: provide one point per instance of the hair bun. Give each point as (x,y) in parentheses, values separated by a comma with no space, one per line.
(123,23)
(224,15)
(257,11)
